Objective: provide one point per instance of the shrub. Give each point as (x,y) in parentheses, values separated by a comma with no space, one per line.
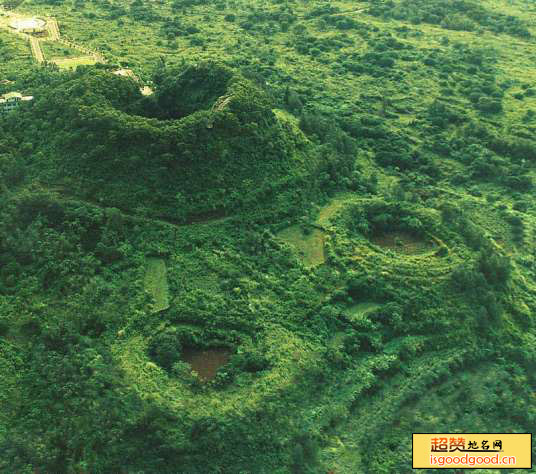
(466,278)
(496,268)
(165,349)
(489,105)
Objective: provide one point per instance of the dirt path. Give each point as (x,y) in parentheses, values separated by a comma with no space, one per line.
(345,12)
(214,217)
(332,207)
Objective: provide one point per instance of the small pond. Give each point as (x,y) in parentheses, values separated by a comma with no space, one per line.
(206,362)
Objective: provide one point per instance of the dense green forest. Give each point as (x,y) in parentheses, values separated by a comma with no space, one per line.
(315,238)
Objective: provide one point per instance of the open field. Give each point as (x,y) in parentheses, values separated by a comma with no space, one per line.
(72,63)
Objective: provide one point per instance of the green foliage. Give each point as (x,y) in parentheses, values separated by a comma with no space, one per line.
(207,133)
(165,349)
(401,154)
(462,15)
(181,93)
(496,268)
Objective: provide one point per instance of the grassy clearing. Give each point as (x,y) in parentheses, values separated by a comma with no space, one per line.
(310,247)
(156,283)
(360,310)
(332,208)
(14,53)
(72,63)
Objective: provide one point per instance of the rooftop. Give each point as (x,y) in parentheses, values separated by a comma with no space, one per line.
(11,99)
(23,24)
(12,95)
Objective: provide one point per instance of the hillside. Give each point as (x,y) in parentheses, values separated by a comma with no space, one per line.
(207,141)
(315,238)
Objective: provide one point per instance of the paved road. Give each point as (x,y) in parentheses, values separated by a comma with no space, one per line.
(36,49)
(53,30)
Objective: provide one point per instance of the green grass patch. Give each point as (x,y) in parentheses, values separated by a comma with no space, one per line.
(15,55)
(156,283)
(310,247)
(53,50)
(360,310)
(73,63)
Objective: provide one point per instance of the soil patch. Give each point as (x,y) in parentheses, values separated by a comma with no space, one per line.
(206,362)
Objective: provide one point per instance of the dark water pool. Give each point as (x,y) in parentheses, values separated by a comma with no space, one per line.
(206,362)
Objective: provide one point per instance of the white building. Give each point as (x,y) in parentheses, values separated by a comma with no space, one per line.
(28,25)
(12,100)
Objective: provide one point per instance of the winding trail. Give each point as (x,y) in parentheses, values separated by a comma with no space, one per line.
(214,217)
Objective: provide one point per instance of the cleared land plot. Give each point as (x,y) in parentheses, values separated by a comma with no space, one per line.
(156,283)
(310,247)
(206,363)
(72,63)
(14,53)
